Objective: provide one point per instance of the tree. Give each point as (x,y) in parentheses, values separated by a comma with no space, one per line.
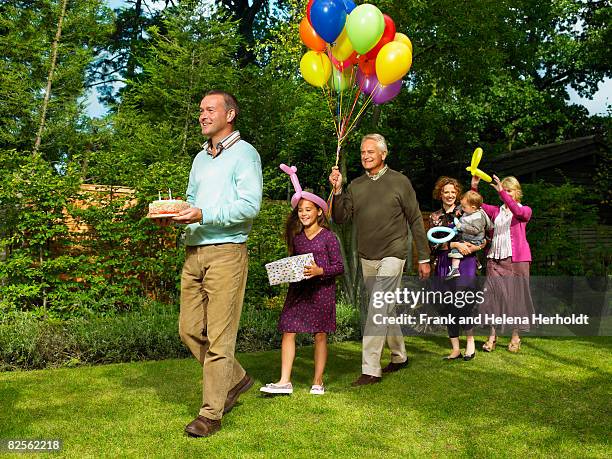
(156,121)
(118,62)
(27,32)
(500,83)
(52,64)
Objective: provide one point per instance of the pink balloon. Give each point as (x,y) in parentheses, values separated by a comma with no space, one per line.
(384,94)
(367,83)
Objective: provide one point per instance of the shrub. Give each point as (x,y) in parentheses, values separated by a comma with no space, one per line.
(558,213)
(26,342)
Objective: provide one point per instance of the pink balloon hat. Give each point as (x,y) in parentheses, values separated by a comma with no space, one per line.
(299,193)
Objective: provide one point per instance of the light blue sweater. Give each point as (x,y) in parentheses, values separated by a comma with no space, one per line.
(228,189)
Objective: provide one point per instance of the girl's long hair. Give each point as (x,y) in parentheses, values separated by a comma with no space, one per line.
(293,226)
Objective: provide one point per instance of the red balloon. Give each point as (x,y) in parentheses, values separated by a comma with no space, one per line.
(308,7)
(352,59)
(367,66)
(388,36)
(345,64)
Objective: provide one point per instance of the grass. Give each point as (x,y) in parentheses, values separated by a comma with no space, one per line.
(551,400)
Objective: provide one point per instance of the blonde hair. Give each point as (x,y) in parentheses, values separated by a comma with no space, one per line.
(381,143)
(473,198)
(512,183)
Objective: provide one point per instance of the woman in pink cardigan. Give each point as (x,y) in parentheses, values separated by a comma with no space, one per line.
(508,260)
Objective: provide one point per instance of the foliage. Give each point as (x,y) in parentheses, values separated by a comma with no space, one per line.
(151,333)
(121,258)
(266,244)
(559,213)
(27,29)
(499,83)
(32,198)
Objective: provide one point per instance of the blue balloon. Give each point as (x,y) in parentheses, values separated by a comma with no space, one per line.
(328,18)
(349,6)
(450,233)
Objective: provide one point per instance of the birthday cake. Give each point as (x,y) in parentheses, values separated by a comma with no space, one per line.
(167,208)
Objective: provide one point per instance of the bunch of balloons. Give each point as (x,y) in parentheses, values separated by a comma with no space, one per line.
(355,50)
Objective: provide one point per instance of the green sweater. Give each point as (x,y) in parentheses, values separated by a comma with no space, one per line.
(382,211)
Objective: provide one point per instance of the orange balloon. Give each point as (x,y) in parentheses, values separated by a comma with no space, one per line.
(309,37)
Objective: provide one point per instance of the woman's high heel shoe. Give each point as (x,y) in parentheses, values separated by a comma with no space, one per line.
(467,357)
(514,347)
(489,346)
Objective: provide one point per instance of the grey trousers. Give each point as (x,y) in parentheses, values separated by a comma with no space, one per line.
(381,276)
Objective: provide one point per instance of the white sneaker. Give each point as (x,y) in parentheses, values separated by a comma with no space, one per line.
(317,390)
(273,388)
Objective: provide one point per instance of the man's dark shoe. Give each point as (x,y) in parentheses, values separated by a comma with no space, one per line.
(395,367)
(202,427)
(366,379)
(232,396)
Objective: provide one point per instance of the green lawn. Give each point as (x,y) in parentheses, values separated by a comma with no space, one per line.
(552,399)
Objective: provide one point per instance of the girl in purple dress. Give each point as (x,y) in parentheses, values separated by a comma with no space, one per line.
(310,306)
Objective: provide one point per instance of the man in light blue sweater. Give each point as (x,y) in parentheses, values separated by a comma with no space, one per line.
(225,190)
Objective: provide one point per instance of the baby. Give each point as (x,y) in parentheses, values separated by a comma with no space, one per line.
(470,228)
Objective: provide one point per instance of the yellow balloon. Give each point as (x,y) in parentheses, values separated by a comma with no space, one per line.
(316,68)
(343,48)
(483,175)
(476,157)
(402,38)
(393,62)
(473,167)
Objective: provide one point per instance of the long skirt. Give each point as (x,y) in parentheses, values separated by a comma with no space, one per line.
(507,292)
(467,281)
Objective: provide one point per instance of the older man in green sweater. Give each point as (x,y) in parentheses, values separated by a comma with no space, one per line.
(382,205)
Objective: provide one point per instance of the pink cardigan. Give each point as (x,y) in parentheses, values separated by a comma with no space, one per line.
(520,217)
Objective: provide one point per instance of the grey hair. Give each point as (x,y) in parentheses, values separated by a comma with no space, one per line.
(381,143)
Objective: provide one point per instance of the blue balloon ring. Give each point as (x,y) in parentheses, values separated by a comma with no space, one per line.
(450,233)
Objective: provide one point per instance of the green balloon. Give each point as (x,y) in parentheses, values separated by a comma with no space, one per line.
(365,26)
(340,81)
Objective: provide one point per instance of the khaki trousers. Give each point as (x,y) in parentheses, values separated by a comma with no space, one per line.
(212,291)
(381,276)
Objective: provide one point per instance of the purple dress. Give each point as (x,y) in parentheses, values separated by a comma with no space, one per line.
(467,268)
(310,306)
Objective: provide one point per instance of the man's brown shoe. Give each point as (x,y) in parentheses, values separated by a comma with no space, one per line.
(366,379)
(202,427)
(394,367)
(232,396)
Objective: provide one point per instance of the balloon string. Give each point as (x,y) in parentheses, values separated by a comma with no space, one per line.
(330,203)
(361,111)
(347,111)
(327,96)
(354,103)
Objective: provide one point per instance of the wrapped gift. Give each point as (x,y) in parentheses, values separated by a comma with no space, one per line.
(290,269)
